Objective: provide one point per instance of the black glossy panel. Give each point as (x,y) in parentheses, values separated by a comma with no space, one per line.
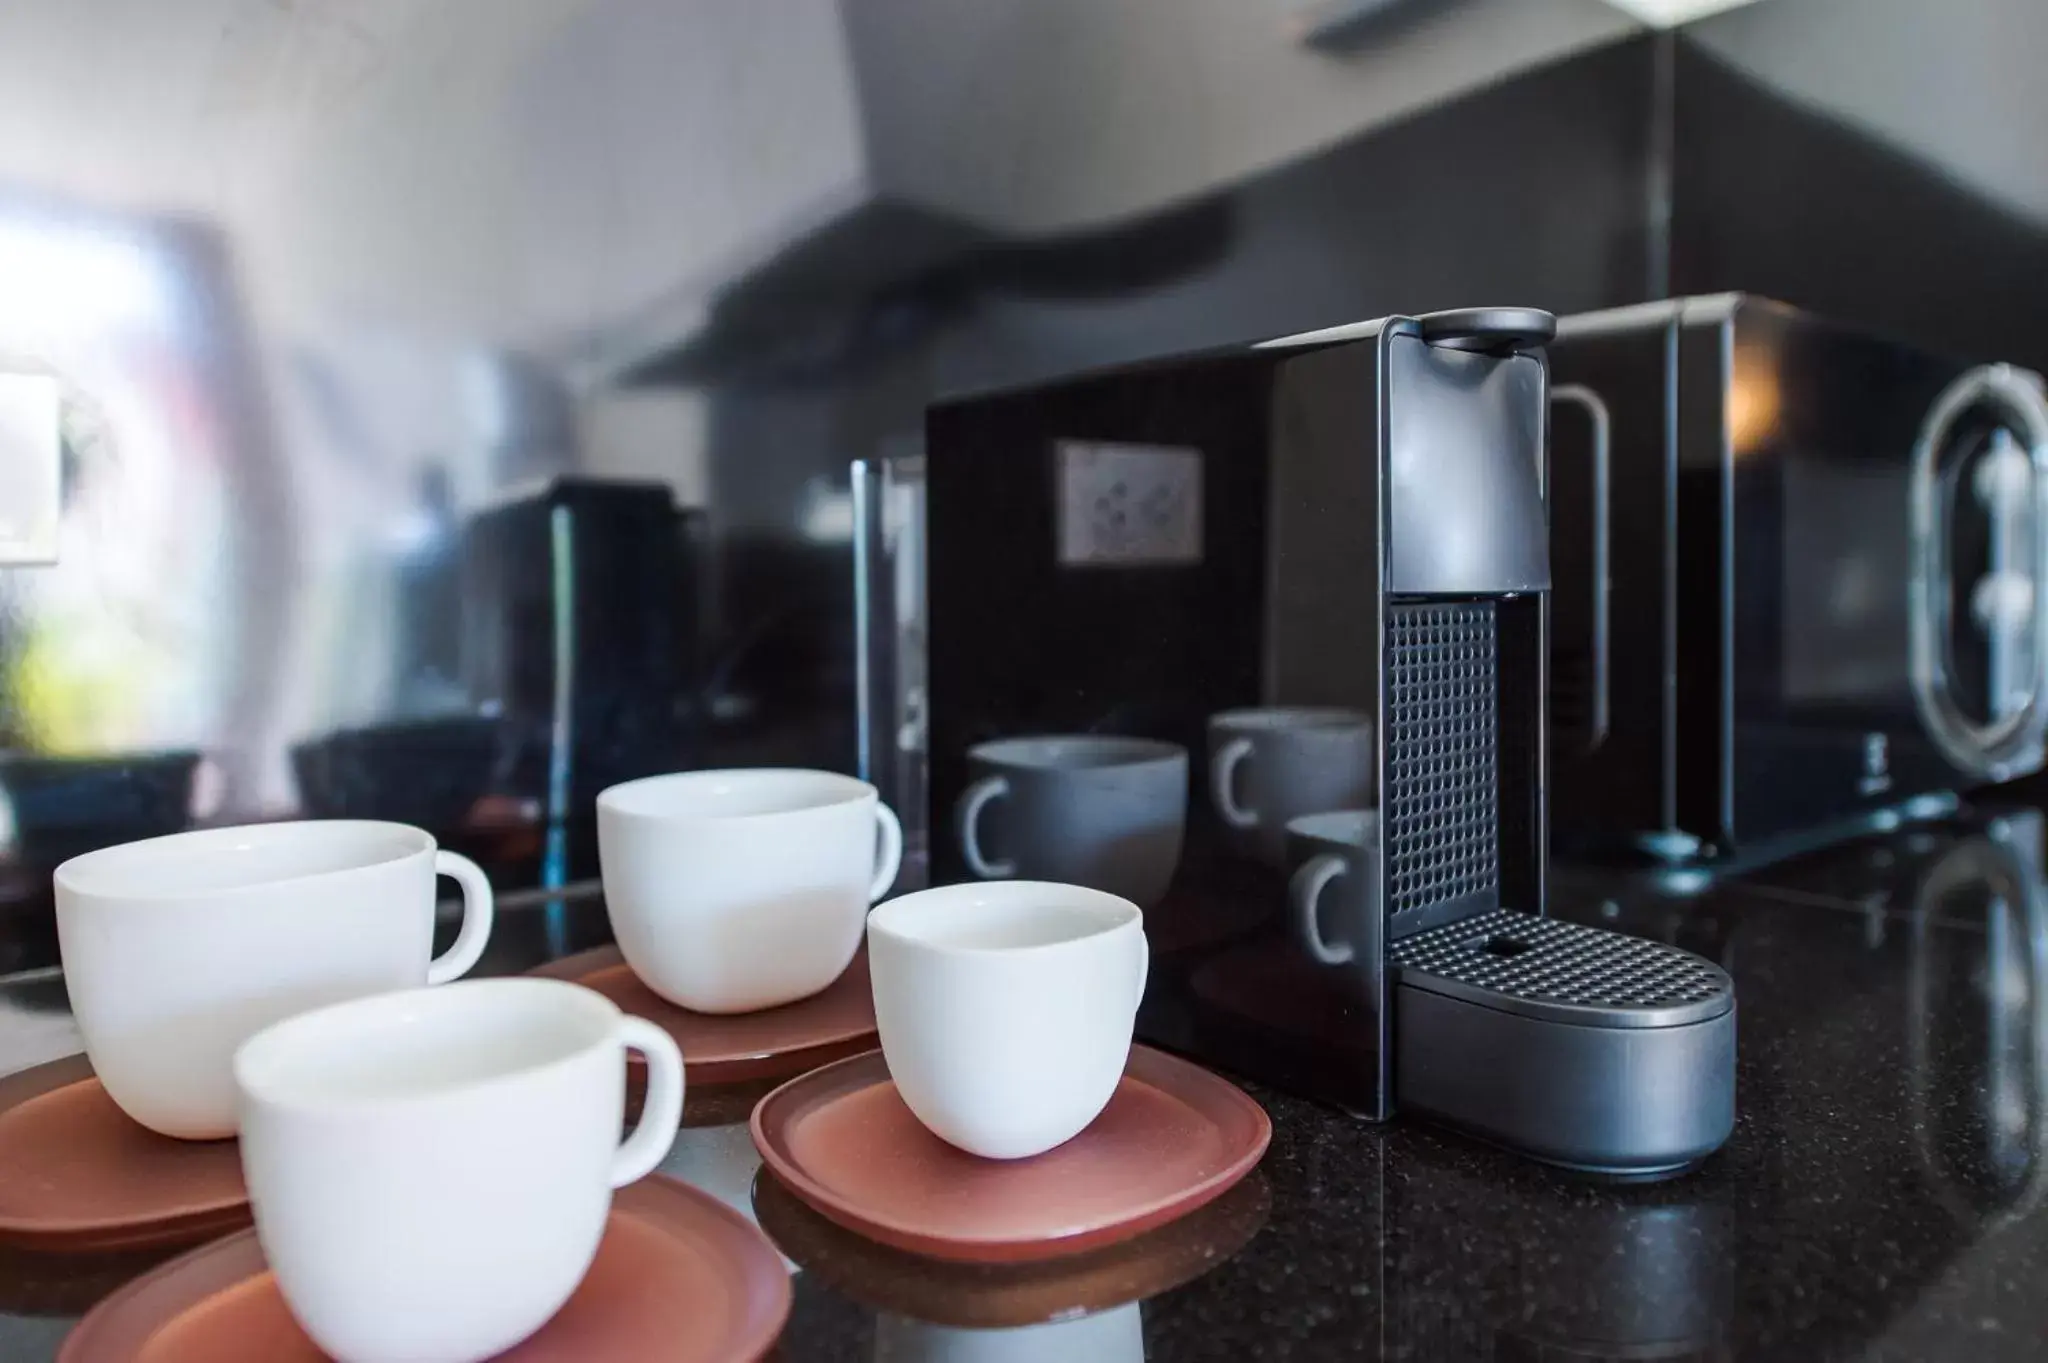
(1771,196)
(1761,476)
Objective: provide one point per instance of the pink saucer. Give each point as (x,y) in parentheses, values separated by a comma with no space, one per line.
(1173,1138)
(82,1175)
(679,1278)
(730,1048)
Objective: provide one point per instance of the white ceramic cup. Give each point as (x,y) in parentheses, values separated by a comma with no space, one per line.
(1006,1008)
(178,949)
(431,1169)
(731,891)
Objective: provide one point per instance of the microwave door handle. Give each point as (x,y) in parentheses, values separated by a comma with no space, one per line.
(1603,436)
(1997,600)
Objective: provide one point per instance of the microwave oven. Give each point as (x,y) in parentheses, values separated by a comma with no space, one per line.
(1798,580)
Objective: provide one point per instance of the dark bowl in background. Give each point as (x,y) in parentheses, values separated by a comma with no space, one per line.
(67,806)
(428,772)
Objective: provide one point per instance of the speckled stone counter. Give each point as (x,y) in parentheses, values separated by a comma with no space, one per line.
(1881,1198)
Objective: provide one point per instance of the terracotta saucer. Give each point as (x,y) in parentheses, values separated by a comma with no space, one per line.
(728,1048)
(679,1278)
(1002,1296)
(1173,1138)
(81,1175)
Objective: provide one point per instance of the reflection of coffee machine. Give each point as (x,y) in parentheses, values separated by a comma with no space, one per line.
(1322,561)
(1633,1274)
(1830,555)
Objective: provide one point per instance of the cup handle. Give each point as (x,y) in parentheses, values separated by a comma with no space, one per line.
(662,1111)
(892,851)
(978,795)
(1222,772)
(478,908)
(1305,891)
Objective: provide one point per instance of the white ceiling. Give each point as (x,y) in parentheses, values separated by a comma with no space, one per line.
(525,169)
(1955,83)
(1053,115)
(529,168)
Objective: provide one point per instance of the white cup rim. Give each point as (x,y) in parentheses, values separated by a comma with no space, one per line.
(78,875)
(271,1068)
(895,918)
(1335,825)
(1291,718)
(645,798)
(1039,752)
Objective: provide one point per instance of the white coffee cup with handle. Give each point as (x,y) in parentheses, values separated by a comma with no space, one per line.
(1006,1008)
(731,891)
(431,1170)
(178,949)
(1116,1335)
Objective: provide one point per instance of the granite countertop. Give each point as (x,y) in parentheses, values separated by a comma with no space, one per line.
(1881,1197)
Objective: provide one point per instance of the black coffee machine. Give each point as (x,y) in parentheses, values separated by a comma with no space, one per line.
(579,635)
(1801,580)
(1317,566)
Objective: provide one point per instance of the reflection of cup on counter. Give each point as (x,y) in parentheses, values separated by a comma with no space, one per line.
(177,949)
(1332,899)
(1113,1336)
(1085,809)
(1270,765)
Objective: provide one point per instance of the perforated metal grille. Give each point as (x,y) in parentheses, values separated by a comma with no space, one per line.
(1442,797)
(1545,960)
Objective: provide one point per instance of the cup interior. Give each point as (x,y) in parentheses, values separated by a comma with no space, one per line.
(1075,751)
(214,860)
(420,1042)
(1289,717)
(1012,915)
(1349,827)
(736,794)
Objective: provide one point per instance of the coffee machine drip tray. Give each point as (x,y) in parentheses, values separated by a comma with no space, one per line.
(1583,1047)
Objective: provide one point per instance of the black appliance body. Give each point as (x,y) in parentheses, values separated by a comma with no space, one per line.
(428,772)
(1798,577)
(581,641)
(1344,523)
